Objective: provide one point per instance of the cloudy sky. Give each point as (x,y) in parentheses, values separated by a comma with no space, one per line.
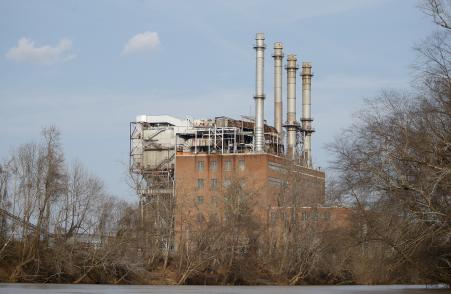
(89,67)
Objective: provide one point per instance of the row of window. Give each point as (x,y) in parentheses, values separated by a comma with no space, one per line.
(214,218)
(200,218)
(228,165)
(200,200)
(213,184)
(313,215)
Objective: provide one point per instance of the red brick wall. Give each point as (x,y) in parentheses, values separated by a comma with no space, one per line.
(259,177)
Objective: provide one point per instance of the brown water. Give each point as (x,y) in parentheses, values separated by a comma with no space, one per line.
(100,289)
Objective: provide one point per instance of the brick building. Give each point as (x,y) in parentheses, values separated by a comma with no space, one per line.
(185,169)
(202,181)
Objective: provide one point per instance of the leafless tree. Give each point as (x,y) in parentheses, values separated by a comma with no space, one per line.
(439,10)
(60,223)
(395,164)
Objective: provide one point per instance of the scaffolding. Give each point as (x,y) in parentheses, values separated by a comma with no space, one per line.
(151,164)
(226,136)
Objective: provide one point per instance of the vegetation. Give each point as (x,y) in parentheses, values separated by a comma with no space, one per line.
(58,225)
(392,169)
(394,166)
(50,212)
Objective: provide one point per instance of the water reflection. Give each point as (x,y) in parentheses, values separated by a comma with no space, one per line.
(100,289)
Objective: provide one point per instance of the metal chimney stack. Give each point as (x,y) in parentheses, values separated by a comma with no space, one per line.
(278,56)
(291,124)
(259,95)
(306,75)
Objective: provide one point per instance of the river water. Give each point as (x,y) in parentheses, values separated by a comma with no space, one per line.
(101,289)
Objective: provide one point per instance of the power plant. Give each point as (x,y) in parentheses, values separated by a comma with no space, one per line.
(189,163)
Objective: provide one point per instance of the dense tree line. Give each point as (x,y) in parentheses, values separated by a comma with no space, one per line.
(59,225)
(394,166)
(54,216)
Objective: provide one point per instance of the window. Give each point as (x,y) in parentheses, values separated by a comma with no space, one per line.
(200,183)
(304,216)
(241,164)
(213,184)
(199,199)
(327,215)
(227,183)
(214,200)
(200,218)
(315,215)
(214,218)
(200,165)
(228,165)
(213,165)
(277,167)
(275,182)
(273,217)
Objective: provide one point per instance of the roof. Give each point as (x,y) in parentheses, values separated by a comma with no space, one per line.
(161,119)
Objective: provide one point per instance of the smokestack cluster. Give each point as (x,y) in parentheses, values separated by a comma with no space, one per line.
(291,123)
(278,56)
(306,75)
(292,126)
(259,95)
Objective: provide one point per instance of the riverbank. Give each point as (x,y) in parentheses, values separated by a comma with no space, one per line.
(101,289)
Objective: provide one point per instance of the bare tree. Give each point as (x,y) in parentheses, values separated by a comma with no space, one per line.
(395,163)
(439,10)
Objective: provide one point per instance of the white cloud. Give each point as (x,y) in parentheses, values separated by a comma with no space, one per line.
(141,43)
(27,52)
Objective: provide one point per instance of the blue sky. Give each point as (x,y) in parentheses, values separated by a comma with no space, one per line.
(89,67)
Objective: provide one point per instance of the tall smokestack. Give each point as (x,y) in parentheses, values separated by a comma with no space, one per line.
(278,56)
(259,95)
(306,111)
(291,124)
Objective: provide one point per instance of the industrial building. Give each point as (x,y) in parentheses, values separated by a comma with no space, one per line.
(184,166)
